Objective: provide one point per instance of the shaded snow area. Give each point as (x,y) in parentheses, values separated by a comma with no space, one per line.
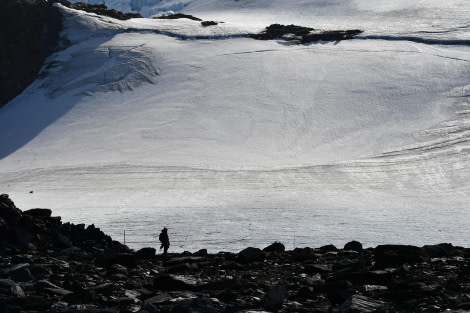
(233,142)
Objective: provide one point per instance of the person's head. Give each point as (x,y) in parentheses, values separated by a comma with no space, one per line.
(164,230)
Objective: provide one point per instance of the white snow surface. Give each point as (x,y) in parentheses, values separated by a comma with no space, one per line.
(234,142)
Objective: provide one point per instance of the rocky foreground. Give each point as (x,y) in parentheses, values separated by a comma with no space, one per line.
(50,266)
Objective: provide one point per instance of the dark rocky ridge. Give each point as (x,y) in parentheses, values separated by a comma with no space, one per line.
(303,34)
(50,266)
(28,34)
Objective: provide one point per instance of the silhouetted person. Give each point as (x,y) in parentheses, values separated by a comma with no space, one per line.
(164,240)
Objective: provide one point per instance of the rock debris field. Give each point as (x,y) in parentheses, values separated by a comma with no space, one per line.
(50,266)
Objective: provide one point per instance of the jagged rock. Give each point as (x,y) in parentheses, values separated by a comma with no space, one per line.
(275,247)
(8,210)
(156,300)
(43,284)
(202,252)
(250,254)
(9,288)
(361,304)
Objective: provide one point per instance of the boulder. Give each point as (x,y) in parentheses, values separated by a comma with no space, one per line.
(146,253)
(304,254)
(275,247)
(441,250)
(354,246)
(328,248)
(38,212)
(250,254)
(10,289)
(8,211)
(397,255)
(202,252)
(18,273)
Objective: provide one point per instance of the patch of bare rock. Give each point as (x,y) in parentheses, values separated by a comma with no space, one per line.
(50,266)
(303,34)
(186,16)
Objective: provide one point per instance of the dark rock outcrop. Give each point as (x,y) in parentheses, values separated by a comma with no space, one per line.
(50,266)
(303,34)
(28,34)
(178,16)
(99,9)
(209,23)
(397,255)
(22,38)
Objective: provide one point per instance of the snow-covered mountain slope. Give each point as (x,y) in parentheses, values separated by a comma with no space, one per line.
(224,138)
(424,18)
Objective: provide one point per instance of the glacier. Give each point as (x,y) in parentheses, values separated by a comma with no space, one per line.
(230,141)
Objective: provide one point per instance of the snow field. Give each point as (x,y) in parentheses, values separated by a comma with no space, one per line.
(232,142)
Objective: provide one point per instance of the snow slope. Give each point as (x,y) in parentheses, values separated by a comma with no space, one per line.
(233,142)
